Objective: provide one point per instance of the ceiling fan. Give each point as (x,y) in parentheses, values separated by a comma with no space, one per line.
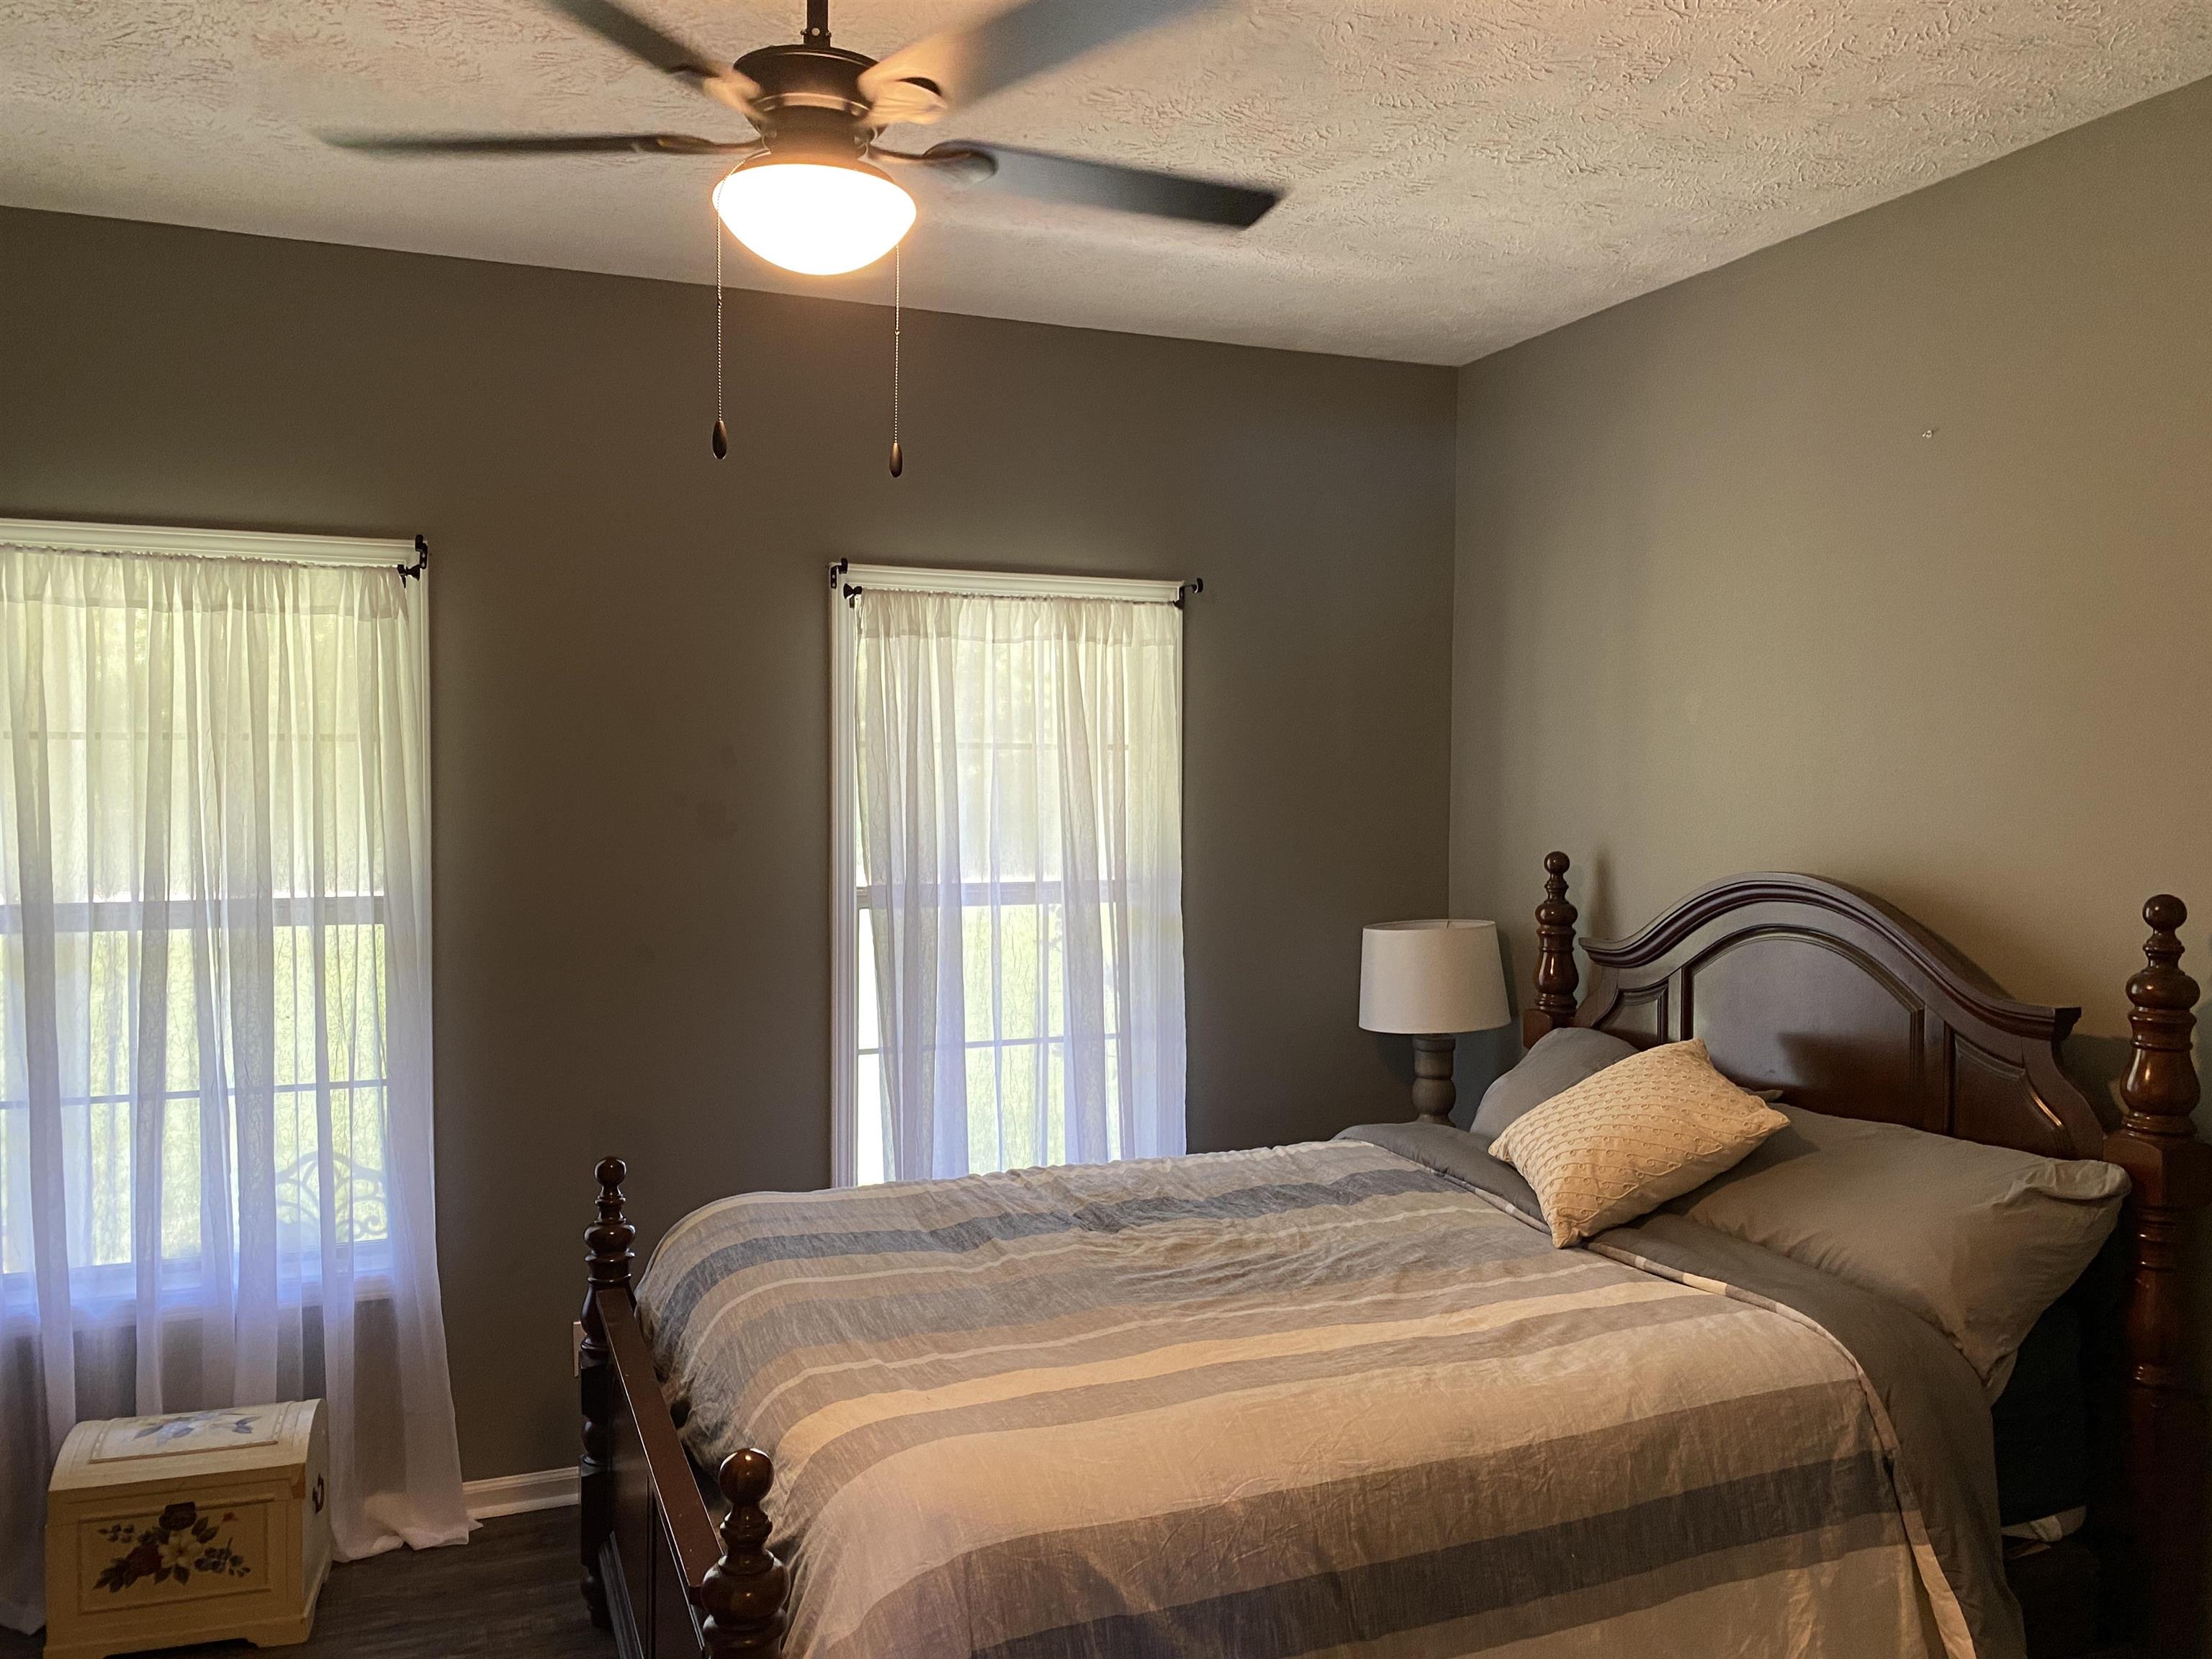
(813,191)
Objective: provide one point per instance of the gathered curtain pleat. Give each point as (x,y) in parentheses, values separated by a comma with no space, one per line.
(1019,768)
(214,1024)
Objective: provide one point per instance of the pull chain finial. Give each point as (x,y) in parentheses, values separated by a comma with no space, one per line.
(721,432)
(899,305)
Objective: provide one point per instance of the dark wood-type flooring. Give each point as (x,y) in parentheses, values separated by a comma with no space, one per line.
(510,1591)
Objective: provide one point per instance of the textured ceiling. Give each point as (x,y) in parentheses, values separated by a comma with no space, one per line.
(1461,175)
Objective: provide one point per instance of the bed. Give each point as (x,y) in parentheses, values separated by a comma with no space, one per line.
(1340,1398)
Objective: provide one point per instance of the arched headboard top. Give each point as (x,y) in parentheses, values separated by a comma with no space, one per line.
(1843,1002)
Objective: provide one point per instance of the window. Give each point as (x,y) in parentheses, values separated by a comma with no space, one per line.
(215,1009)
(109,1130)
(1008,915)
(197,761)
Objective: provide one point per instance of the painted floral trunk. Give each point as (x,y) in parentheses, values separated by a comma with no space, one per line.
(190,1527)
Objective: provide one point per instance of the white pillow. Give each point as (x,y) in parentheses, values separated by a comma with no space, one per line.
(1642,1131)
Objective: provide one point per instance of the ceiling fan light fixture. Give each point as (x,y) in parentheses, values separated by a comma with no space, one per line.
(816,217)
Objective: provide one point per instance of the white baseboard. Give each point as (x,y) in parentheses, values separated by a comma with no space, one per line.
(517,1494)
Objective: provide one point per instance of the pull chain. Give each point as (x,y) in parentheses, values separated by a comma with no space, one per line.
(721,432)
(899,305)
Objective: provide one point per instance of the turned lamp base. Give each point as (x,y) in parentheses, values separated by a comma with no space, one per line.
(1434,1092)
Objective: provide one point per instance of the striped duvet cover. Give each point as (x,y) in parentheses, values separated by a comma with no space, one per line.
(1318,1399)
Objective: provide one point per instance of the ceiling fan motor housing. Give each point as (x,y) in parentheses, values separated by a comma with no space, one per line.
(810,101)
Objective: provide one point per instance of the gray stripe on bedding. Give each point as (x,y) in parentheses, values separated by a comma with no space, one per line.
(1811,1504)
(882,1313)
(676,1304)
(1790,1572)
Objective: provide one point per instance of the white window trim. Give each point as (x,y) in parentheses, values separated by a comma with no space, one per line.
(844,849)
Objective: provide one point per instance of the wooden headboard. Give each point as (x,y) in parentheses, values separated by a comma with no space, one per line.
(1850,1008)
(1854,1009)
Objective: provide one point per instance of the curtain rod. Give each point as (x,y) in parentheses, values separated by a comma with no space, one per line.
(67,535)
(1013,583)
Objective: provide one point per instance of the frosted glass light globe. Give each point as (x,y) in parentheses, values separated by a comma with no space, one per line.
(818,218)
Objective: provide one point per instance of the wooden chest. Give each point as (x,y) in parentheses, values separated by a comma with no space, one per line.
(195,1527)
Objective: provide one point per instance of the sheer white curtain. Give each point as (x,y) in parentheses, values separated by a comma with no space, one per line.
(215,1022)
(1020,769)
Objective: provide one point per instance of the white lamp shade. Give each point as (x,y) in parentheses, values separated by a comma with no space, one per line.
(1431,978)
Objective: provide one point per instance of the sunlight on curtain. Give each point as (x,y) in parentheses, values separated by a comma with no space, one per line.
(1019,765)
(214,1077)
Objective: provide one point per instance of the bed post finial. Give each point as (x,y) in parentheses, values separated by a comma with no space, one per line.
(1556,973)
(2171,1172)
(607,1260)
(608,1256)
(743,1594)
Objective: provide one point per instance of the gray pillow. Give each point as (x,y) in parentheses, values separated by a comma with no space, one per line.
(1976,1240)
(1559,1060)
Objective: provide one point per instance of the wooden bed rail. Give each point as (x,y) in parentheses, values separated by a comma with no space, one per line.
(2153,1536)
(726,1572)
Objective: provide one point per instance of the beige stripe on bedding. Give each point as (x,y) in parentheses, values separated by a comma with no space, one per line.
(918,1363)
(1273,1351)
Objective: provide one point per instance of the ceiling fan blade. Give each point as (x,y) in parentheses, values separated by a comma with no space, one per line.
(550,144)
(643,41)
(909,102)
(964,64)
(1045,178)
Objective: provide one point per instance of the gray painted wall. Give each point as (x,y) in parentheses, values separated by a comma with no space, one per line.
(1722,606)
(630,675)
(1885,553)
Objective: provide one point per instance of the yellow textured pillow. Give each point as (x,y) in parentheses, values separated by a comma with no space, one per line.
(1642,1131)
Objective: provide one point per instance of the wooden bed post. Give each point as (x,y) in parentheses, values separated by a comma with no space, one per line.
(743,1595)
(2172,1170)
(1556,973)
(607,1260)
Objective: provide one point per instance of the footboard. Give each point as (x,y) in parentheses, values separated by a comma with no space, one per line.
(658,1570)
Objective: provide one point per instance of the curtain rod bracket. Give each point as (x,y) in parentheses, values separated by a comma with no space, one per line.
(837,571)
(1184,590)
(421,561)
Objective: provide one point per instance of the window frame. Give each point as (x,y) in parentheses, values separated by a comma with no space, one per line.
(846,581)
(112,1285)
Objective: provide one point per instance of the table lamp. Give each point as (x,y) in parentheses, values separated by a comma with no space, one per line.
(1429,981)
